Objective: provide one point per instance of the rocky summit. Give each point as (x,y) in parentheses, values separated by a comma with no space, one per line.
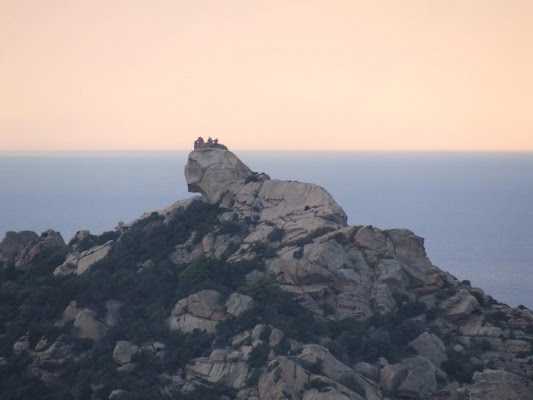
(258,289)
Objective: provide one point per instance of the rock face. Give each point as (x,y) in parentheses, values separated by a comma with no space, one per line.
(212,171)
(88,326)
(14,242)
(499,385)
(203,311)
(84,320)
(430,346)
(420,381)
(27,251)
(78,263)
(124,351)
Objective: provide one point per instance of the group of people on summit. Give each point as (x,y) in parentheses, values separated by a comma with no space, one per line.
(200,143)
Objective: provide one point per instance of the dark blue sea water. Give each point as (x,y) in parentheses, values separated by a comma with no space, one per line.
(475,210)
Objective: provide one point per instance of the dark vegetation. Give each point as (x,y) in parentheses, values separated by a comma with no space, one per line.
(380,336)
(31,301)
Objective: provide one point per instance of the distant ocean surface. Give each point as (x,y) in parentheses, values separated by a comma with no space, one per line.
(475,210)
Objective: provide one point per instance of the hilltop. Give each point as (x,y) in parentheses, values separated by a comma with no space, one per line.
(256,289)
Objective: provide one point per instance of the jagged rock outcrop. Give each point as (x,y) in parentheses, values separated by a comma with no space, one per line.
(46,245)
(79,262)
(203,310)
(14,242)
(499,385)
(213,171)
(371,318)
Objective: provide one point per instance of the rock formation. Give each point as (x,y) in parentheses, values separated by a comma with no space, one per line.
(262,292)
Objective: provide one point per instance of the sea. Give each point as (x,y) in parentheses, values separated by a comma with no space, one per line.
(475,210)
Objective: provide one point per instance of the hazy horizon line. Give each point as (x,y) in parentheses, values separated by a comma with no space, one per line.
(122,151)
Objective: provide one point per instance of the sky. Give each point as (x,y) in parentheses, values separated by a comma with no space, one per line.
(273,75)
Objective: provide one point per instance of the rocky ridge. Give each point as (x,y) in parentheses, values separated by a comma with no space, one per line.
(399,327)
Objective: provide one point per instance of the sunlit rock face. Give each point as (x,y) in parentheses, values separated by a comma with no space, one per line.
(213,171)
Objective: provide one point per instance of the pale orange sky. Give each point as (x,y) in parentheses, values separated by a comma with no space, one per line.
(290,74)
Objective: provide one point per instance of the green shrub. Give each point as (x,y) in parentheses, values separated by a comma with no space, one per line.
(298,254)
(263,250)
(277,308)
(276,235)
(259,355)
(479,297)
(412,309)
(252,178)
(459,367)
(232,228)
(316,384)
(253,378)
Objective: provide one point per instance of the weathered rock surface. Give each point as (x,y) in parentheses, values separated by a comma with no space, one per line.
(500,385)
(203,311)
(430,346)
(212,171)
(368,370)
(48,243)
(77,263)
(221,367)
(314,354)
(124,351)
(84,320)
(460,306)
(88,327)
(286,380)
(420,381)
(14,242)
(392,375)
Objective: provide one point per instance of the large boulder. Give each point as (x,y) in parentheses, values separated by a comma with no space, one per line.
(430,346)
(423,277)
(459,306)
(203,310)
(516,346)
(284,380)
(124,351)
(79,262)
(88,327)
(392,375)
(320,357)
(212,171)
(420,381)
(280,198)
(238,303)
(500,385)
